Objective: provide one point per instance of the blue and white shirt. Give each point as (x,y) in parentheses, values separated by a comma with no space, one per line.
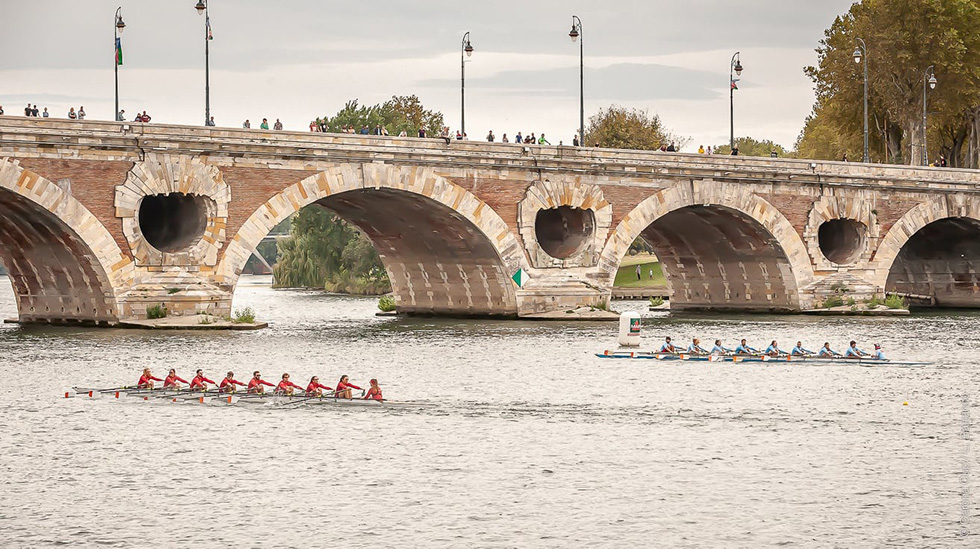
(719,350)
(800,351)
(695,349)
(828,352)
(773,349)
(854,351)
(745,350)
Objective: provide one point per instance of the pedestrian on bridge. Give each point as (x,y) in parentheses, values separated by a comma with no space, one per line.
(246,124)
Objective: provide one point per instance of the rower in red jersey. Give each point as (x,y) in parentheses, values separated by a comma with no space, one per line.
(374,392)
(344,388)
(172,379)
(286,387)
(199,383)
(256,384)
(315,389)
(228,383)
(146,380)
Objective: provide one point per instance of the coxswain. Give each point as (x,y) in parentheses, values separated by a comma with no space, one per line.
(172,379)
(146,380)
(695,347)
(344,388)
(667,347)
(199,383)
(853,352)
(374,392)
(827,352)
(315,389)
(799,350)
(878,354)
(744,349)
(773,349)
(286,387)
(257,385)
(228,383)
(719,349)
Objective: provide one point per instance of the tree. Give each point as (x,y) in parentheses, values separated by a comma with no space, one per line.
(400,113)
(621,128)
(903,37)
(753,147)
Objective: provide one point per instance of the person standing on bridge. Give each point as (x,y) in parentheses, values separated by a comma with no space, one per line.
(121,115)
(543,141)
(257,385)
(265,124)
(735,150)
(277,125)
(490,137)
(81,113)
(71,113)
(246,124)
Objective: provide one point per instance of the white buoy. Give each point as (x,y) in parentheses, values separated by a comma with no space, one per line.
(629,329)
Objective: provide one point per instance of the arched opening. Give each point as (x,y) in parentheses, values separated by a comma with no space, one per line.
(940,261)
(173,222)
(842,240)
(717,258)
(438,261)
(564,231)
(54,274)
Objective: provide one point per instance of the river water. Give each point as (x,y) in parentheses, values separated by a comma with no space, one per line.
(527,439)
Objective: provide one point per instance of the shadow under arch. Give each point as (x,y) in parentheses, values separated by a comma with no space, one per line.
(720,249)
(445,251)
(941,261)
(58,256)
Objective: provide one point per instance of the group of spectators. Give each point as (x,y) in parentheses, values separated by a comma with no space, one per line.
(32,111)
(263,126)
(518,138)
(140,116)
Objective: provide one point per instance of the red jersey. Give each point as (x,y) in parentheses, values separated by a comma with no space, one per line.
(145,380)
(312,387)
(255,385)
(228,385)
(343,386)
(373,394)
(199,382)
(171,381)
(284,386)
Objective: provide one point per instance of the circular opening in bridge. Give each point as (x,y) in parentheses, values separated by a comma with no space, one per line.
(564,231)
(842,240)
(172,222)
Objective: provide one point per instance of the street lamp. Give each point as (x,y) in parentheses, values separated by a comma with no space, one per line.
(117,29)
(202,9)
(736,67)
(861,52)
(575,33)
(928,78)
(467,49)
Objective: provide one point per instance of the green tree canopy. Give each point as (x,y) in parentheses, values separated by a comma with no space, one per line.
(748,146)
(620,128)
(903,37)
(400,113)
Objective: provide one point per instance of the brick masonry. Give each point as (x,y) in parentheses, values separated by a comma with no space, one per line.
(454,222)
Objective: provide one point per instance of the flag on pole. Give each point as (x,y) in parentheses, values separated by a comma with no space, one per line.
(118,51)
(519,278)
(208,22)
(734,83)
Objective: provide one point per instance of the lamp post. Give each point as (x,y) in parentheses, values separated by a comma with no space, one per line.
(467,49)
(736,67)
(575,34)
(861,52)
(928,78)
(117,29)
(202,9)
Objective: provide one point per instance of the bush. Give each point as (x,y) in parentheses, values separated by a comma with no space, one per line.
(156,311)
(833,301)
(386,303)
(851,301)
(656,301)
(896,302)
(244,316)
(874,302)
(205,320)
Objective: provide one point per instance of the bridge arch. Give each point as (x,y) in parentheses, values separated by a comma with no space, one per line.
(721,247)
(445,250)
(63,264)
(934,250)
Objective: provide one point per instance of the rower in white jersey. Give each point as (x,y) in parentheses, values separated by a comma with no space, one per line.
(719,349)
(695,348)
(878,354)
(744,349)
(773,349)
(853,351)
(827,352)
(799,350)
(668,347)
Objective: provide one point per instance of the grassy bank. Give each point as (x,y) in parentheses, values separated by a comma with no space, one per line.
(626,277)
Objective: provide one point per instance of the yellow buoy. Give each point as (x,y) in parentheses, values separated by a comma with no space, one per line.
(906,403)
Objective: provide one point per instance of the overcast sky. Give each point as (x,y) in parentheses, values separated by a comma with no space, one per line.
(297,59)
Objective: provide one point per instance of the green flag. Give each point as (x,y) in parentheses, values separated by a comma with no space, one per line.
(520,277)
(118,51)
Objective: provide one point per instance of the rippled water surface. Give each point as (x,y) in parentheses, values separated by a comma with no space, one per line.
(527,439)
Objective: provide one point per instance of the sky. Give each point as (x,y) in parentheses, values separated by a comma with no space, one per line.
(298,59)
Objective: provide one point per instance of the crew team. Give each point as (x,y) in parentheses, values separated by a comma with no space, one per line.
(257,385)
(773,350)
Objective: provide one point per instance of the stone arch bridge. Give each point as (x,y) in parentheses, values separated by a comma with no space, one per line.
(100,220)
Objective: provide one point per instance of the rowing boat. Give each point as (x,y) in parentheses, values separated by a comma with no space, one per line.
(213,397)
(808,360)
